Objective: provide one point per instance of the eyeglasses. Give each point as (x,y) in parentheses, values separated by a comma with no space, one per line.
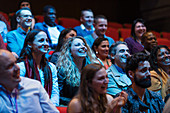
(26,16)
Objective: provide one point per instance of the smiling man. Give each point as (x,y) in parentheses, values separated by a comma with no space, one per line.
(141,100)
(86,27)
(19,94)
(16,38)
(118,80)
(49,26)
(100,24)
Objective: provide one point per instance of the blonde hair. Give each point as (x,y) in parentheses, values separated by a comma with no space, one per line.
(66,65)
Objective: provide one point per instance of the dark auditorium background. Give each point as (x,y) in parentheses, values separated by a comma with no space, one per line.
(156,13)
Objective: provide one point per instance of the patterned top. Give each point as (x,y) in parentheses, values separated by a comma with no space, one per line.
(153,102)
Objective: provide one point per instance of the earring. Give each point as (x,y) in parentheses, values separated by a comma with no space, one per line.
(97,52)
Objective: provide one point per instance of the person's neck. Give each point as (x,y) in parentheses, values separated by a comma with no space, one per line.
(25,29)
(138,39)
(87,27)
(37,58)
(50,24)
(10,88)
(166,69)
(79,63)
(121,66)
(99,35)
(138,90)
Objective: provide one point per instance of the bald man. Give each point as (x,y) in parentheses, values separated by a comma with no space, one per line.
(19,94)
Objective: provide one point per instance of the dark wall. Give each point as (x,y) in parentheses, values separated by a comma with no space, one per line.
(155,12)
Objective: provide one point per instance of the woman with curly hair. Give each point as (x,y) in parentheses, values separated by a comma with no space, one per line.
(74,56)
(33,64)
(92,97)
(160,64)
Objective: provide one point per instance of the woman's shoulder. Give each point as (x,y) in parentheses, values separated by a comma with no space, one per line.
(74,106)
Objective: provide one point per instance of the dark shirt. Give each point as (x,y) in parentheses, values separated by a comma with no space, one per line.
(153,102)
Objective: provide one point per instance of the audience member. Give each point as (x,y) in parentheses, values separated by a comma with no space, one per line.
(160,64)
(167,107)
(2,18)
(149,41)
(33,64)
(21,4)
(92,97)
(15,38)
(118,80)
(86,27)
(2,45)
(64,35)
(137,30)
(19,94)
(101,49)
(74,56)
(49,26)
(3,30)
(139,98)
(100,24)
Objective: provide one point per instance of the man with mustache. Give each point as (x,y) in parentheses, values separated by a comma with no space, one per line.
(49,25)
(118,80)
(100,25)
(148,41)
(20,94)
(141,100)
(16,38)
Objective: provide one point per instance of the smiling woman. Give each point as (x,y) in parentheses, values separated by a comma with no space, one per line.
(160,64)
(92,97)
(33,64)
(74,56)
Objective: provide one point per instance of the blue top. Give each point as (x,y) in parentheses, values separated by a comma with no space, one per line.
(15,40)
(29,97)
(44,27)
(118,80)
(82,31)
(90,40)
(55,90)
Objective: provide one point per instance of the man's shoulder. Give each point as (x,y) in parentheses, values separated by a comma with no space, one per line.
(39,24)
(77,27)
(27,81)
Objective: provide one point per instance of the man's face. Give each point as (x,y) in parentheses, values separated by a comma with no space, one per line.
(25,4)
(142,75)
(25,18)
(87,19)
(101,26)
(150,41)
(9,71)
(50,16)
(122,53)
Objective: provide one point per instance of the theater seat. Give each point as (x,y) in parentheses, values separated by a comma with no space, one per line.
(126,25)
(62,109)
(115,25)
(68,22)
(165,35)
(163,41)
(124,33)
(113,33)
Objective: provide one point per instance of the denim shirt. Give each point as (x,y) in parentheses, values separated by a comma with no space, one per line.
(153,102)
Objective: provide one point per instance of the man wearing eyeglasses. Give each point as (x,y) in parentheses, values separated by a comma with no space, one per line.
(15,38)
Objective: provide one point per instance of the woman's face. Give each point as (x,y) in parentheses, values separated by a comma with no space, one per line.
(100,81)
(25,4)
(78,48)
(40,43)
(163,57)
(140,29)
(72,33)
(103,49)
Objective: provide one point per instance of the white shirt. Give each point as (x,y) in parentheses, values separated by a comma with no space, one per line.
(54,34)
